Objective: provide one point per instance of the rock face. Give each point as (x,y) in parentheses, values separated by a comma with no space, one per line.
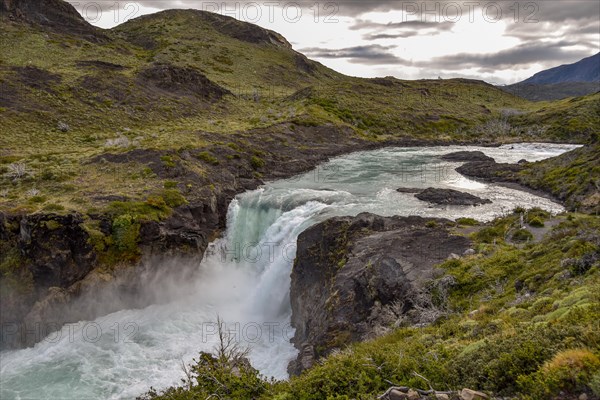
(467,156)
(450,197)
(42,251)
(243,30)
(55,15)
(353,278)
(183,81)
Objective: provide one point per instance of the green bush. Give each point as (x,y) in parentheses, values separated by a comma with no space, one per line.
(522,235)
(226,374)
(257,162)
(156,202)
(467,221)
(208,158)
(168,161)
(595,384)
(536,222)
(431,224)
(568,372)
(173,198)
(125,236)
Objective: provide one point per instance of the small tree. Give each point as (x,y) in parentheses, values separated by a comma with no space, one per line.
(224,374)
(17,171)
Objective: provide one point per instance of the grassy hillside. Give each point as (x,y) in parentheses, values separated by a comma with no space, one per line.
(521,321)
(573,177)
(574,119)
(181,80)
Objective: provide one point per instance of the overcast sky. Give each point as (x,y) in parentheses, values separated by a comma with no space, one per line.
(497,41)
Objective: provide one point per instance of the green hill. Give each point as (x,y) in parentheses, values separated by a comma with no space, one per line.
(185,79)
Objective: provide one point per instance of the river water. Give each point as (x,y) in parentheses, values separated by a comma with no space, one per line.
(244,278)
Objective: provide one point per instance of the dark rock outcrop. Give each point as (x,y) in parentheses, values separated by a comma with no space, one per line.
(43,251)
(355,277)
(243,31)
(466,156)
(445,196)
(56,15)
(491,171)
(450,197)
(190,81)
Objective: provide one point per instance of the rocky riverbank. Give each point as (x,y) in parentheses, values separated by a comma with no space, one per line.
(572,179)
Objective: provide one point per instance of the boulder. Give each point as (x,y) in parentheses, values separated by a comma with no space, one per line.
(466,156)
(469,394)
(396,394)
(450,197)
(413,395)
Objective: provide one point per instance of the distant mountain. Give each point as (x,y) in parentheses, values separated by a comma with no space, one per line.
(586,70)
(554,91)
(571,80)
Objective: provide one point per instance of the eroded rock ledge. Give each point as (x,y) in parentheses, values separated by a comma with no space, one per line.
(355,277)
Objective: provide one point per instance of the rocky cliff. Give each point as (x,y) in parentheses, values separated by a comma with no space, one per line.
(355,278)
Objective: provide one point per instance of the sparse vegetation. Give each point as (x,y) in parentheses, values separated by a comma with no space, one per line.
(257,162)
(208,158)
(467,221)
(522,235)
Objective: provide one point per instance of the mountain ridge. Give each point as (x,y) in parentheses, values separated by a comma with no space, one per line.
(569,80)
(584,70)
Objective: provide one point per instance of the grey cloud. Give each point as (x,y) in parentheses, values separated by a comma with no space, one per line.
(397,30)
(363,24)
(524,55)
(519,57)
(377,36)
(368,55)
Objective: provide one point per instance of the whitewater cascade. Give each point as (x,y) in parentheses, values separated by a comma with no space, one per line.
(245,276)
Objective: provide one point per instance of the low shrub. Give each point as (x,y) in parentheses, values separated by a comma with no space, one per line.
(208,158)
(257,162)
(467,221)
(522,235)
(536,222)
